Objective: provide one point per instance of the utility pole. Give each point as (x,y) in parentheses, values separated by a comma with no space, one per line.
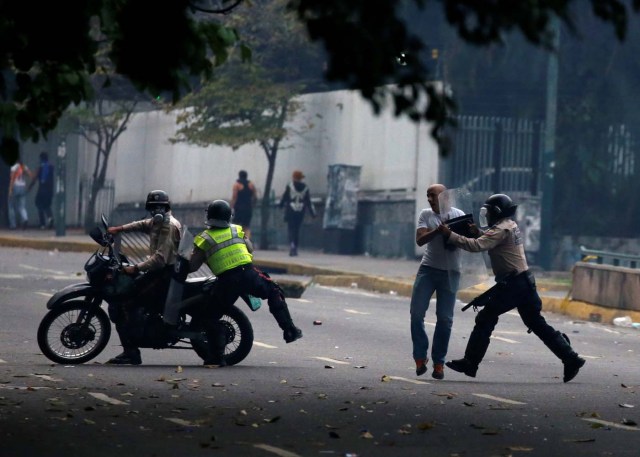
(548,156)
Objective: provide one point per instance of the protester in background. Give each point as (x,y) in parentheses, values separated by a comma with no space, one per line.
(17,196)
(439,272)
(296,200)
(44,196)
(243,200)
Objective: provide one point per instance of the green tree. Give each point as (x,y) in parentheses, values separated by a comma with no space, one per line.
(47,53)
(100,122)
(251,103)
(239,107)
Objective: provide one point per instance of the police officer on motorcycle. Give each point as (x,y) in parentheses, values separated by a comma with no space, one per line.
(151,287)
(224,247)
(515,288)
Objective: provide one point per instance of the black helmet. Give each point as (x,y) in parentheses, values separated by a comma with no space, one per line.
(499,206)
(157,198)
(218,214)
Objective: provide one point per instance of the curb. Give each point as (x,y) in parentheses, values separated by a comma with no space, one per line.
(341,278)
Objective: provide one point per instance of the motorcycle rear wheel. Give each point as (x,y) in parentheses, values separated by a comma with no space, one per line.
(239,337)
(64,340)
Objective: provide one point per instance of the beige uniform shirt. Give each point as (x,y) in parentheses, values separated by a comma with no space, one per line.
(163,241)
(504,245)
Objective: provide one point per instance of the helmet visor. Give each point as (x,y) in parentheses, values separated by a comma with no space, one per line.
(483,219)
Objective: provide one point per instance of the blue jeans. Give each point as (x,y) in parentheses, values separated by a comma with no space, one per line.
(17,202)
(445,284)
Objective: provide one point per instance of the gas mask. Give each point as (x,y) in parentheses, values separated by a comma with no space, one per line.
(159,215)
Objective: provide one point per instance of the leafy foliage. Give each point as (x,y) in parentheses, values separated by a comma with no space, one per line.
(48,52)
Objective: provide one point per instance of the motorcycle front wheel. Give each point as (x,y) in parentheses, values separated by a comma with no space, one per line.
(73,334)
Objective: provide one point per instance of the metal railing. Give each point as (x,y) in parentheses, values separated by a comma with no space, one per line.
(610,258)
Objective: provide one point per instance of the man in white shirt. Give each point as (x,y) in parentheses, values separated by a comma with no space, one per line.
(439,272)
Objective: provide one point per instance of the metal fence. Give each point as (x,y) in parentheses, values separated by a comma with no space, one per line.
(494,154)
(105,201)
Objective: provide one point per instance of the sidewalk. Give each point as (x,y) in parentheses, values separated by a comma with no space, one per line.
(390,276)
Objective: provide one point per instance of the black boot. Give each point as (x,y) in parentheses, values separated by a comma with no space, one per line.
(130,354)
(283,318)
(561,347)
(217,336)
(463,366)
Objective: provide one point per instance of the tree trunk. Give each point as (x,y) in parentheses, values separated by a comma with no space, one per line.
(89,215)
(265,206)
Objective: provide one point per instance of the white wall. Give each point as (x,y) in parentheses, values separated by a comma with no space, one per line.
(394,154)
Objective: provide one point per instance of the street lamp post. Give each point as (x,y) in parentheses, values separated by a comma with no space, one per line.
(61,217)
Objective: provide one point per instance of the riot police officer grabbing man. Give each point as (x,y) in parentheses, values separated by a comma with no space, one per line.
(515,288)
(227,251)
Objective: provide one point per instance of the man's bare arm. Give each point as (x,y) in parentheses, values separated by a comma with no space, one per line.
(424,235)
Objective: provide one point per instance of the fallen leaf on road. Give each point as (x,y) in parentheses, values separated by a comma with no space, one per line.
(329,366)
(366,434)
(625,405)
(334,435)
(581,440)
(385,378)
(425,425)
(178,369)
(466,403)
(184,423)
(520,448)
(629,422)
(272,420)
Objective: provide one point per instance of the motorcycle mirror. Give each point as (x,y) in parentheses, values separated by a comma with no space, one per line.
(97,236)
(105,222)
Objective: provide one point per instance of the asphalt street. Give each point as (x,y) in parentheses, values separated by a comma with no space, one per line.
(347,388)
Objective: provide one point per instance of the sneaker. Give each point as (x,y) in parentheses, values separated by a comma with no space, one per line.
(294,333)
(126,358)
(438,371)
(463,366)
(421,366)
(571,368)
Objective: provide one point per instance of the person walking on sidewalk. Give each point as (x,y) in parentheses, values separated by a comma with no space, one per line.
(515,288)
(151,287)
(44,195)
(296,200)
(243,199)
(439,272)
(224,247)
(17,195)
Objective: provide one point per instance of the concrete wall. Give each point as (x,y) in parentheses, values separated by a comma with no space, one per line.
(606,285)
(334,127)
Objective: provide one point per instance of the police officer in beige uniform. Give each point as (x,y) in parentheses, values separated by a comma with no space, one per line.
(164,236)
(515,288)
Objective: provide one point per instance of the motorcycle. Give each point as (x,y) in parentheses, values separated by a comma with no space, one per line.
(77,328)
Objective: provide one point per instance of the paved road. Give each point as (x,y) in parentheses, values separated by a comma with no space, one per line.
(346,388)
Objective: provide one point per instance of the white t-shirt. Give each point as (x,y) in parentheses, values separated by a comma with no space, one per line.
(435,254)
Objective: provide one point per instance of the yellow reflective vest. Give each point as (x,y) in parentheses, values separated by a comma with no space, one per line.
(224,247)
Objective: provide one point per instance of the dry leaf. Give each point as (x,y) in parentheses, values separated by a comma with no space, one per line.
(385,378)
(178,369)
(625,405)
(426,425)
(366,435)
(520,448)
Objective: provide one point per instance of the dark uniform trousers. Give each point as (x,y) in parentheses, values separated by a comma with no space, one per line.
(518,292)
(247,279)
